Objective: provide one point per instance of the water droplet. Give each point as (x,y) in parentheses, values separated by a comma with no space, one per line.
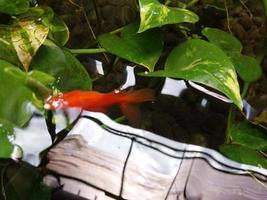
(47,106)
(58,79)
(31,26)
(11,138)
(130,78)
(116,91)
(173,87)
(204,102)
(99,67)
(17,153)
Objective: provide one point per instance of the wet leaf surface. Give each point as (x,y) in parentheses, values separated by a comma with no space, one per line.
(249,135)
(15,98)
(261,119)
(247,67)
(23,182)
(58,30)
(154,14)
(244,154)
(40,191)
(14,7)
(222,39)
(44,78)
(141,48)
(256,99)
(67,70)
(205,63)
(7,50)
(6,135)
(34,80)
(27,37)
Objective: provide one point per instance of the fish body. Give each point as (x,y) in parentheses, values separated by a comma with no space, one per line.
(99,102)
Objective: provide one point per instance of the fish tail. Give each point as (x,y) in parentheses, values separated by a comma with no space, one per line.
(139,96)
(132,114)
(130,108)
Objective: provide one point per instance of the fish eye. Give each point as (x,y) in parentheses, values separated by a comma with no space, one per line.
(57,104)
(47,106)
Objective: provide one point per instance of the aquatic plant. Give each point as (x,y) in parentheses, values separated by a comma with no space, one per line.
(36,61)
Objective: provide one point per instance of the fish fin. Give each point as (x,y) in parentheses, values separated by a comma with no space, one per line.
(139,96)
(132,114)
(98,109)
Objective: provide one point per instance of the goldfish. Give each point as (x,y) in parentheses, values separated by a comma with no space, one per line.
(100,102)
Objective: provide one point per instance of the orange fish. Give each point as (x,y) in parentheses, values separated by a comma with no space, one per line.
(99,102)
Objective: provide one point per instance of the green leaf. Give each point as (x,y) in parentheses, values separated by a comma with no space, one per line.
(14,7)
(23,182)
(20,41)
(40,191)
(244,154)
(61,64)
(205,63)
(22,76)
(261,118)
(27,37)
(12,194)
(7,50)
(249,135)
(6,135)
(43,77)
(143,48)
(222,39)
(265,6)
(15,98)
(58,30)
(247,67)
(154,14)
(76,73)
(34,80)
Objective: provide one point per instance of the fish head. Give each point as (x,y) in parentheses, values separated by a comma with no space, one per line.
(55,103)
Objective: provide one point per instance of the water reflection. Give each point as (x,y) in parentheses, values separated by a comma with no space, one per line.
(209,92)
(64,118)
(204,102)
(176,87)
(99,67)
(183,111)
(130,78)
(173,87)
(33,139)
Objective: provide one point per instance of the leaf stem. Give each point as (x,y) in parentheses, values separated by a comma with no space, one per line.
(116,31)
(230,118)
(245,89)
(262,53)
(231,114)
(168,2)
(265,6)
(115,62)
(88,51)
(227,16)
(191,3)
(119,119)
(37,87)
